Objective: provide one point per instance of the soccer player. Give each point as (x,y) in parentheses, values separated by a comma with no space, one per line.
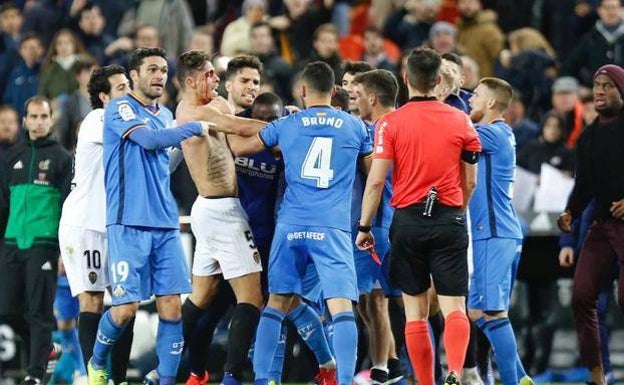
(82,229)
(38,174)
(432,149)
(496,233)
(376,92)
(145,253)
(320,146)
(225,242)
(352,68)
(258,181)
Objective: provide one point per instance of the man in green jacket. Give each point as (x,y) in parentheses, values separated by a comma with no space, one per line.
(38,172)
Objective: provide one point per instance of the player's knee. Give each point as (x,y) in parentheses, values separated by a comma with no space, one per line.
(169,307)
(122,314)
(202,299)
(474,314)
(91,302)
(377,306)
(66,324)
(494,314)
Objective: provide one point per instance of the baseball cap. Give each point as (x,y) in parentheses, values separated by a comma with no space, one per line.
(566,84)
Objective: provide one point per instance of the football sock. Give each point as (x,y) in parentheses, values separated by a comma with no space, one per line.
(120,355)
(107,335)
(71,347)
(503,340)
(420,350)
(169,347)
(345,346)
(267,338)
(87,330)
(310,328)
(242,329)
(456,336)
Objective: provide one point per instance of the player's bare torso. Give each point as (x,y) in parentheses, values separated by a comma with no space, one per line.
(208,158)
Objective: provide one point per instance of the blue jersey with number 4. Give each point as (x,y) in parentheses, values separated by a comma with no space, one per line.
(320,146)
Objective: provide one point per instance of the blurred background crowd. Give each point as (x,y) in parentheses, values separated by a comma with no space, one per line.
(547,50)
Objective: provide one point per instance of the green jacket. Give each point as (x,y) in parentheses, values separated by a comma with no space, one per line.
(39,178)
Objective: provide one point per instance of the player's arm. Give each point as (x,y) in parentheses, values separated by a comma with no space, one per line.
(374,187)
(468,177)
(246,146)
(228,124)
(151,139)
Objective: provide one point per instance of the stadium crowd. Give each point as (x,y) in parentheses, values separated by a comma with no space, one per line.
(261,62)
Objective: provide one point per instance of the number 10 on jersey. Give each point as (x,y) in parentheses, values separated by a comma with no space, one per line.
(317,163)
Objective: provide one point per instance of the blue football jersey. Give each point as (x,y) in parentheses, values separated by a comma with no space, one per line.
(320,146)
(491,210)
(136,179)
(383,218)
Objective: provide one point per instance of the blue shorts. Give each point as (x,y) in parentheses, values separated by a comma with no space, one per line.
(66,307)
(311,289)
(370,275)
(144,261)
(331,251)
(495,266)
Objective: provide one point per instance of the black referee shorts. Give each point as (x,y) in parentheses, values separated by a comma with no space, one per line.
(429,247)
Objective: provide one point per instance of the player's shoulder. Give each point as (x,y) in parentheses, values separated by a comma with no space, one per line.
(124,106)
(95,116)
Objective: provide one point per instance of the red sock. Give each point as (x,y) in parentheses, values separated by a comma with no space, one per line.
(420,350)
(456,337)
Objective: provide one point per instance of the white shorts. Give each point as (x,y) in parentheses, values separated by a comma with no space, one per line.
(225,244)
(84,254)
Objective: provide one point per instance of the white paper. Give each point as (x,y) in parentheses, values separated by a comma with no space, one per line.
(553,191)
(524,189)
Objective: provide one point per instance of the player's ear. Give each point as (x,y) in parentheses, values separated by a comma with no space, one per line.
(303,90)
(189,82)
(134,76)
(228,86)
(334,90)
(104,98)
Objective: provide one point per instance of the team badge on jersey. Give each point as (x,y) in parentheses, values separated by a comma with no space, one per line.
(256,257)
(119,291)
(92,277)
(44,165)
(125,111)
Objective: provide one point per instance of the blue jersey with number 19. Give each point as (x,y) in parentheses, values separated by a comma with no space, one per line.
(320,146)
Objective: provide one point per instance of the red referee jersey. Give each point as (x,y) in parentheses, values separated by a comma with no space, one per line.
(425,139)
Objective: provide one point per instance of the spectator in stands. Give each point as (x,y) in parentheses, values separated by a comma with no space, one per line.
(11,21)
(112,11)
(374,53)
(46,18)
(57,77)
(478,35)
(9,136)
(529,66)
(549,148)
(470,72)
(235,38)
(524,128)
(443,37)
(75,106)
(294,43)
(145,35)
(23,81)
(325,43)
(409,26)
(566,105)
(91,32)
(202,39)
(172,18)
(603,44)
(275,67)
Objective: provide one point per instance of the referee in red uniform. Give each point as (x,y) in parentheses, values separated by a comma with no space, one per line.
(433,150)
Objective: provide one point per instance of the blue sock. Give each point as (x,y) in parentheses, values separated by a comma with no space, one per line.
(169,345)
(107,335)
(71,347)
(310,328)
(345,346)
(267,338)
(501,336)
(519,367)
(278,359)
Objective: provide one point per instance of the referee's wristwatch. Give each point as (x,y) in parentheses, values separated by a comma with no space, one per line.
(363,229)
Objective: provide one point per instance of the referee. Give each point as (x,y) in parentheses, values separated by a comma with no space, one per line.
(433,150)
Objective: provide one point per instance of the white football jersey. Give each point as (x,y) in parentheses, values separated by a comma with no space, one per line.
(85,205)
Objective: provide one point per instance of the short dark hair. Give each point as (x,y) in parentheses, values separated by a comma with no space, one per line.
(423,68)
(138,55)
(318,76)
(340,99)
(502,91)
(453,57)
(380,82)
(7,107)
(327,27)
(189,61)
(267,99)
(355,67)
(99,83)
(83,63)
(9,6)
(37,99)
(28,36)
(243,61)
(373,29)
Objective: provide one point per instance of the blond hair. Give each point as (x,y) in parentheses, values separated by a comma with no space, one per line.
(526,39)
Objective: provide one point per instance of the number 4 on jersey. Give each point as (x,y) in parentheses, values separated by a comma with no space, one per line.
(317,163)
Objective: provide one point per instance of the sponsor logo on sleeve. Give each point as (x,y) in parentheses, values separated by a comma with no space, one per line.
(125,111)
